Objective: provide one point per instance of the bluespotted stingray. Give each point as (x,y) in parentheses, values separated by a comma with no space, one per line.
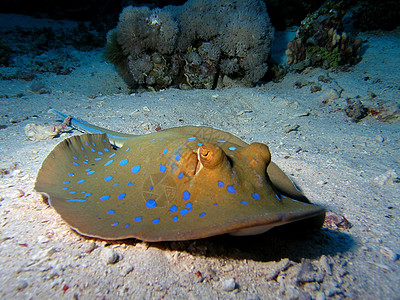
(176,184)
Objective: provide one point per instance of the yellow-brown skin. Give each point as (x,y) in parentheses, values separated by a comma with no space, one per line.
(197,185)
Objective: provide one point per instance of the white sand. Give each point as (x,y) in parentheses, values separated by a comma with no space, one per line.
(352,169)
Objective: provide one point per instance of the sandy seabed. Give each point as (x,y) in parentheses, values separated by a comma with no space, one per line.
(350,168)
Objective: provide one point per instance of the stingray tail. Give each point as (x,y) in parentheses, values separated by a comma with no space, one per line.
(81,125)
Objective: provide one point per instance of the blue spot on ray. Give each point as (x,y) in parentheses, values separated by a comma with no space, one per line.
(165,151)
(162,168)
(130,183)
(105,197)
(173,209)
(91,149)
(127,225)
(112,155)
(184,211)
(65,188)
(81,181)
(87,195)
(66,182)
(175,218)
(100,153)
(138,219)
(136,169)
(127,149)
(221,141)
(156,221)
(76,200)
(221,184)
(114,224)
(90,172)
(178,157)
(74,157)
(123,162)
(151,203)
(256,196)
(189,205)
(191,138)
(180,175)
(108,178)
(186,195)
(232,148)
(231,189)
(108,163)
(111,212)
(244,202)
(72,192)
(121,196)
(97,158)
(75,163)
(115,184)
(202,214)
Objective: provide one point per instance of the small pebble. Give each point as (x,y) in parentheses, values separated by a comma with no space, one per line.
(109,256)
(146,109)
(333,291)
(146,126)
(379,138)
(228,285)
(126,269)
(277,268)
(315,88)
(18,193)
(389,177)
(227,268)
(290,128)
(244,111)
(22,284)
(324,261)
(42,240)
(388,253)
(89,248)
(13,120)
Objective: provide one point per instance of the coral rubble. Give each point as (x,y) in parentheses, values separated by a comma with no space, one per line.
(192,46)
(322,42)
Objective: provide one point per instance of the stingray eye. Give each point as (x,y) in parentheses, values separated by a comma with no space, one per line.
(211,155)
(205,154)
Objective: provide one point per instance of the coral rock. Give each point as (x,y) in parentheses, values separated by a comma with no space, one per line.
(321,41)
(192,46)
